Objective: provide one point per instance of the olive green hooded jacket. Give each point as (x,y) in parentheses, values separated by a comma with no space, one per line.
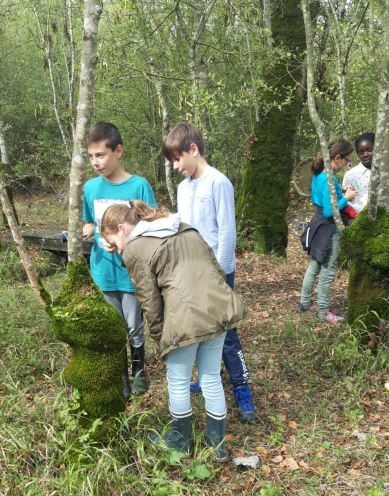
(179,284)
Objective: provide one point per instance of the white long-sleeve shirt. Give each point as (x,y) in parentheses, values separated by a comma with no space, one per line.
(208,204)
(359,178)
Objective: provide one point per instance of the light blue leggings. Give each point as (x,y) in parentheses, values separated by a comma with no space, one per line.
(179,363)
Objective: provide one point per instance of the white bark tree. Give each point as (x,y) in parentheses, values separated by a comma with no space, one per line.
(93,10)
(317,122)
(9,213)
(379,183)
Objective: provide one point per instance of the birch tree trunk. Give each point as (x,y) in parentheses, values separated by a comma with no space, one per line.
(9,212)
(317,122)
(93,10)
(165,131)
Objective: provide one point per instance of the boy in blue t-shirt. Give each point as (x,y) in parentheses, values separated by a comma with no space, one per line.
(115,186)
(205,200)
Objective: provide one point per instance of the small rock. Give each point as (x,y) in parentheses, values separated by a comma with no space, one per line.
(247,461)
(361,436)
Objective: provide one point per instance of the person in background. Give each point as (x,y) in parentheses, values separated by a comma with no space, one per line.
(359,176)
(321,234)
(205,200)
(112,186)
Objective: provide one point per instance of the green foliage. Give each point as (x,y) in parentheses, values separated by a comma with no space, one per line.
(270,490)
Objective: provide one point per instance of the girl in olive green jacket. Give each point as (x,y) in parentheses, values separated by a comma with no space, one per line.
(188,306)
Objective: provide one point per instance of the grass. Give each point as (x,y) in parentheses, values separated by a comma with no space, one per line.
(319,394)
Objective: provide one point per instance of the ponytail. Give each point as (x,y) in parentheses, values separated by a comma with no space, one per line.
(339,146)
(132,212)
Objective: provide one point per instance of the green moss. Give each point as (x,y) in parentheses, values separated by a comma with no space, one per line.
(107,402)
(81,370)
(366,245)
(97,334)
(264,192)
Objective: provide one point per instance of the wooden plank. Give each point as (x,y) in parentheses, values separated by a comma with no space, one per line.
(54,240)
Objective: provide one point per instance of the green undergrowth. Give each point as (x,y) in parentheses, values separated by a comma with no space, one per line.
(321,378)
(12,271)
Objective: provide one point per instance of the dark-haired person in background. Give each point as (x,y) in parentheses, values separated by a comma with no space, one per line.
(322,236)
(359,176)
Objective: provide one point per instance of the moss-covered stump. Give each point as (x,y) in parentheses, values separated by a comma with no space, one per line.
(97,335)
(366,245)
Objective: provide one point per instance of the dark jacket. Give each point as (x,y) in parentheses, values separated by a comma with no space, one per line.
(180,287)
(316,238)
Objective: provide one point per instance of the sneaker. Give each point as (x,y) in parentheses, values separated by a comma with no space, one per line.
(306,308)
(140,384)
(331,318)
(244,402)
(195,388)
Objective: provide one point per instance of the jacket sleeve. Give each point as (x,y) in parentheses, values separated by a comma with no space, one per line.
(147,293)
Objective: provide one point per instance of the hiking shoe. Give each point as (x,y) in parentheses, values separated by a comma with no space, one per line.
(244,402)
(195,388)
(140,384)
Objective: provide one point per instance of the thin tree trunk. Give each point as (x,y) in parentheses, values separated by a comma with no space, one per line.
(92,13)
(46,43)
(379,182)
(9,212)
(267,21)
(4,161)
(317,122)
(165,131)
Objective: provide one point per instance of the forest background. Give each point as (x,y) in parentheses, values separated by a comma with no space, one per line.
(236,69)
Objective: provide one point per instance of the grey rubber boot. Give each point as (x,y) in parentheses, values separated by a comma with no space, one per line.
(178,437)
(214,437)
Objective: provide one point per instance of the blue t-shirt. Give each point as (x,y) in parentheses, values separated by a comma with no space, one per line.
(320,194)
(106,268)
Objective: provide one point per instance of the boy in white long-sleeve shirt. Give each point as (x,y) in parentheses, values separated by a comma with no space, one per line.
(205,200)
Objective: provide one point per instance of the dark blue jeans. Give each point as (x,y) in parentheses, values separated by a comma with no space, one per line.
(233,357)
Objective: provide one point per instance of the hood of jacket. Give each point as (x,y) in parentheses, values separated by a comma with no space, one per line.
(159,228)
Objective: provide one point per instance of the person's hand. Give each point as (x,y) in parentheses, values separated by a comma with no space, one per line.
(350,192)
(88,230)
(109,248)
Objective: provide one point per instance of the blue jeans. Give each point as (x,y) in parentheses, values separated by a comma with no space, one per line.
(326,271)
(179,364)
(233,357)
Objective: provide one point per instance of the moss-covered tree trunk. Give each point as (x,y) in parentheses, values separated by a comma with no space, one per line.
(366,243)
(80,315)
(264,193)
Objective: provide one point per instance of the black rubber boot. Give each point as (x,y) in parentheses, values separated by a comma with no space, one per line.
(126,379)
(178,437)
(214,437)
(140,383)
(137,359)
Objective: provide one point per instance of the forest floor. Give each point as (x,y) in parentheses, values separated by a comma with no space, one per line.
(320,397)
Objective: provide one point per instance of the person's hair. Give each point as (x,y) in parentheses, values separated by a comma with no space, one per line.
(132,212)
(338,146)
(105,131)
(180,139)
(364,137)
